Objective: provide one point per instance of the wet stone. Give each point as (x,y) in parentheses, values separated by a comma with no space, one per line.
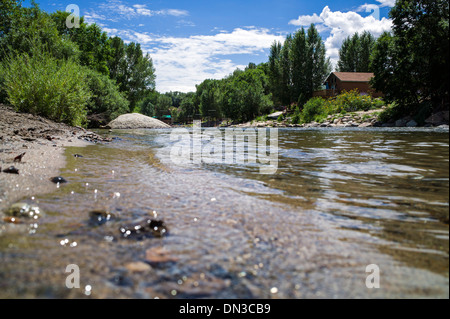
(100,217)
(23,210)
(146,229)
(11,170)
(77,155)
(58,179)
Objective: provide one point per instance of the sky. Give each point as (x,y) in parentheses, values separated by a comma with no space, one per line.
(190,41)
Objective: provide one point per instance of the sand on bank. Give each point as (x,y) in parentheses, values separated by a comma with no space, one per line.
(43,143)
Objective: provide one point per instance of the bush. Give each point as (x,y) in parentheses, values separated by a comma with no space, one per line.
(147,107)
(313,109)
(352,101)
(280,118)
(106,98)
(40,84)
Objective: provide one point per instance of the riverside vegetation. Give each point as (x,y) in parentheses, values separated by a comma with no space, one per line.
(82,76)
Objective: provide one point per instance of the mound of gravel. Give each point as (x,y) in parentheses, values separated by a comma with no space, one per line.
(135,121)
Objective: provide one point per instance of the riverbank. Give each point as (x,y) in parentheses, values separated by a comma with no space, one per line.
(42,143)
(361,119)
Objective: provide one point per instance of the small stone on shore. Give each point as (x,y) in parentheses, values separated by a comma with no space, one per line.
(11,170)
(58,179)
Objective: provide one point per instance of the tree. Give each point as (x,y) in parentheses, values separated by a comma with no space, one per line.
(24,28)
(318,66)
(355,52)
(411,65)
(163,105)
(275,72)
(209,95)
(243,96)
(132,70)
(286,71)
(299,63)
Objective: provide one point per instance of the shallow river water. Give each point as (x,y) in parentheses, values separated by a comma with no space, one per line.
(339,201)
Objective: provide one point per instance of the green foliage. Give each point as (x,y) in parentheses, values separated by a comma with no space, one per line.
(187,110)
(40,84)
(313,109)
(280,118)
(94,44)
(351,102)
(163,106)
(28,27)
(132,70)
(298,67)
(355,52)
(410,64)
(317,109)
(106,98)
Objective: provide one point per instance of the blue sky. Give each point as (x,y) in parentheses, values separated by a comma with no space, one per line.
(190,41)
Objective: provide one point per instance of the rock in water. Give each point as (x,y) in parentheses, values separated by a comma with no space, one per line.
(58,179)
(100,217)
(23,210)
(144,229)
(135,121)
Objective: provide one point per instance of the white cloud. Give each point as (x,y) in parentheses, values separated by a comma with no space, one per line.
(183,62)
(175,12)
(306,20)
(340,25)
(386,3)
(118,8)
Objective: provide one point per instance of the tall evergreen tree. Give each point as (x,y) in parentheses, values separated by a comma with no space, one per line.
(300,72)
(275,82)
(355,52)
(318,66)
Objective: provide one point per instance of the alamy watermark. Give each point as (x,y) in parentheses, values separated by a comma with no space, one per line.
(229,146)
(73,19)
(73,279)
(373,279)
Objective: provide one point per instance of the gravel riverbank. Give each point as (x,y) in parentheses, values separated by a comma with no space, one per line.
(42,143)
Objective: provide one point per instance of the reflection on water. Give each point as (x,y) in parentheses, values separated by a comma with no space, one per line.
(340,200)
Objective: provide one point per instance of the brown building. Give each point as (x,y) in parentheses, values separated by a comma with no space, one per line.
(337,82)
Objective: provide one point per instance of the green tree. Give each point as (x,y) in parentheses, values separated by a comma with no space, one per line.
(300,63)
(286,71)
(94,44)
(355,53)
(25,28)
(163,105)
(411,65)
(208,94)
(106,98)
(318,66)
(275,72)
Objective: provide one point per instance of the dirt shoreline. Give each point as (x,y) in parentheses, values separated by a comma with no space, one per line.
(43,143)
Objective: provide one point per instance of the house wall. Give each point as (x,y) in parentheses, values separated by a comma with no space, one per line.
(363,87)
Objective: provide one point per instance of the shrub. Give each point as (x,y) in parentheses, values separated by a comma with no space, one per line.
(280,118)
(106,98)
(313,108)
(352,101)
(40,84)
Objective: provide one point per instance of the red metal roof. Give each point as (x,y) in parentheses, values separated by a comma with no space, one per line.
(353,76)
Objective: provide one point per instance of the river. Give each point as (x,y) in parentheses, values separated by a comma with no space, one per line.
(339,201)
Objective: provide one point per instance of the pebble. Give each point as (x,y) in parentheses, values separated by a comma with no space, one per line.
(157,255)
(23,210)
(11,170)
(100,217)
(138,267)
(58,179)
(144,229)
